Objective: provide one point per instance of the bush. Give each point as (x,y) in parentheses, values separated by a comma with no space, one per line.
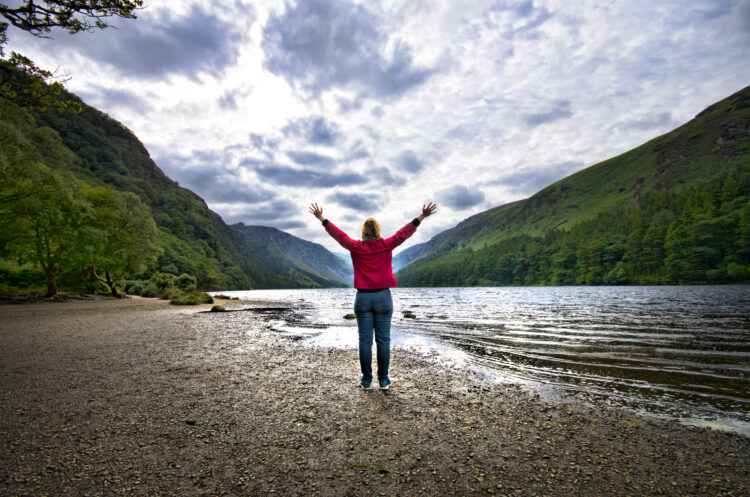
(126,285)
(737,272)
(163,280)
(170,293)
(149,289)
(21,278)
(186,282)
(134,287)
(98,288)
(192,298)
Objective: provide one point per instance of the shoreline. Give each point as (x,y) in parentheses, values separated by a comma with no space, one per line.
(138,395)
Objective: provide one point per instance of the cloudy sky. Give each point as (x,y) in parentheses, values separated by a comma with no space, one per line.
(372,108)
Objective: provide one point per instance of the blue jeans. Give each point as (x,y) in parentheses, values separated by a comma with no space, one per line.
(374,311)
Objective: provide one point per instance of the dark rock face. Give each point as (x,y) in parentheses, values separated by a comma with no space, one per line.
(732,137)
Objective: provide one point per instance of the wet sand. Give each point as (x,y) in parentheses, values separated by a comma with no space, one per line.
(137,397)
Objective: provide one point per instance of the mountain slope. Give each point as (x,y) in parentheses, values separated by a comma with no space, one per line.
(195,239)
(698,156)
(311,260)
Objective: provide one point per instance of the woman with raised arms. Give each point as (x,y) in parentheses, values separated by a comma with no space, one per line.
(373,278)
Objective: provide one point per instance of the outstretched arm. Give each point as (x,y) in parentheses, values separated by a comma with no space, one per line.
(338,235)
(408,230)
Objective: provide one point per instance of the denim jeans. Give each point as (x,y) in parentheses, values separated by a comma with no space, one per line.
(374,311)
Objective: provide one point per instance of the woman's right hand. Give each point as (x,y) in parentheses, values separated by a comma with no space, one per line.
(317,211)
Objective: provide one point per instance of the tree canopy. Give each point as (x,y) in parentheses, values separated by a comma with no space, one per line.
(22,81)
(39,17)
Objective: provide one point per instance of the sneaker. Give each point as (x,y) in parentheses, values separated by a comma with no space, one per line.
(365,385)
(385,384)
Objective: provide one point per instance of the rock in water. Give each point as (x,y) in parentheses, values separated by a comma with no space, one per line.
(350,316)
(409,314)
(218,308)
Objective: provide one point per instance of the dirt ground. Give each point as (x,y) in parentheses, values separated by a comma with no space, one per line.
(137,397)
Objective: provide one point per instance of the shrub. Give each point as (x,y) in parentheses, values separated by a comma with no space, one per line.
(21,277)
(186,282)
(192,298)
(149,289)
(126,285)
(737,272)
(163,280)
(97,287)
(170,293)
(134,287)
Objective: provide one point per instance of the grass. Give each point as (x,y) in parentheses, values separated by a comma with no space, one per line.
(192,298)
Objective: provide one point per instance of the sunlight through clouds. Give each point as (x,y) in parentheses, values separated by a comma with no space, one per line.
(375,107)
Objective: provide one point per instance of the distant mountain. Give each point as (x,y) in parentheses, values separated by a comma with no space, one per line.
(411,254)
(672,210)
(310,261)
(195,239)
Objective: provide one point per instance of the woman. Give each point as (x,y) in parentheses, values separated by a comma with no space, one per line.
(373,276)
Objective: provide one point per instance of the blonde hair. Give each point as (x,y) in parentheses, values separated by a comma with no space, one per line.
(371,229)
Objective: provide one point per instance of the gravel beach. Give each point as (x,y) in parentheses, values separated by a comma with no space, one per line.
(138,397)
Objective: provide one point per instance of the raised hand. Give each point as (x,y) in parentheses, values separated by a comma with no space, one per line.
(317,211)
(427,210)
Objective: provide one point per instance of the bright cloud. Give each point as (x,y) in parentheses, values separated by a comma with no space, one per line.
(374,108)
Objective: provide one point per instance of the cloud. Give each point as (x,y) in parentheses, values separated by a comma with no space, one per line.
(278,213)
(647,122)
(409,162)
(560,111)
(161,44)
(382,175)
(213,183)
(460,197)
(316,130)
(711,10)
(322,44)
(289,176)
(529,181)
(111,98)
(356,201)
(311,159)
(228,100)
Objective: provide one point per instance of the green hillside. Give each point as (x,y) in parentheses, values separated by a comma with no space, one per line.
(693,182)
(100,151)
(305,263)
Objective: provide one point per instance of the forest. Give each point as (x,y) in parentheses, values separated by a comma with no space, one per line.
(692,235)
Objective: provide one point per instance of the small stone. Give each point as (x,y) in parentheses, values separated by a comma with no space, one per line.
(218,308)
(350,316)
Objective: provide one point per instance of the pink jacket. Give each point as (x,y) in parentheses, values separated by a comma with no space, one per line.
(372,258)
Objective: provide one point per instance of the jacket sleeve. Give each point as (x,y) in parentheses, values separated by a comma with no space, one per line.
(338,235)
(401,235)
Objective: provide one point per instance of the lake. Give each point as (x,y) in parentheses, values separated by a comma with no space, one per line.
(679,351)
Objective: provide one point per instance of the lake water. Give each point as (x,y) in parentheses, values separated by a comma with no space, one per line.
(682,352)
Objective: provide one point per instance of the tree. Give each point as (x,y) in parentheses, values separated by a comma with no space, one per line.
(120,237)
(22,81)
(21,147)
(51,220)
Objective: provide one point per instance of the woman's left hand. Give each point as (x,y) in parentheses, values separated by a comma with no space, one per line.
(427,210)
(317,211)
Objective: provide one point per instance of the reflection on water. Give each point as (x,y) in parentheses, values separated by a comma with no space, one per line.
(678,351)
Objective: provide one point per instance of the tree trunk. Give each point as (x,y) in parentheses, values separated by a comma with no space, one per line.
(109,281)
(112,286)
(51,284)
